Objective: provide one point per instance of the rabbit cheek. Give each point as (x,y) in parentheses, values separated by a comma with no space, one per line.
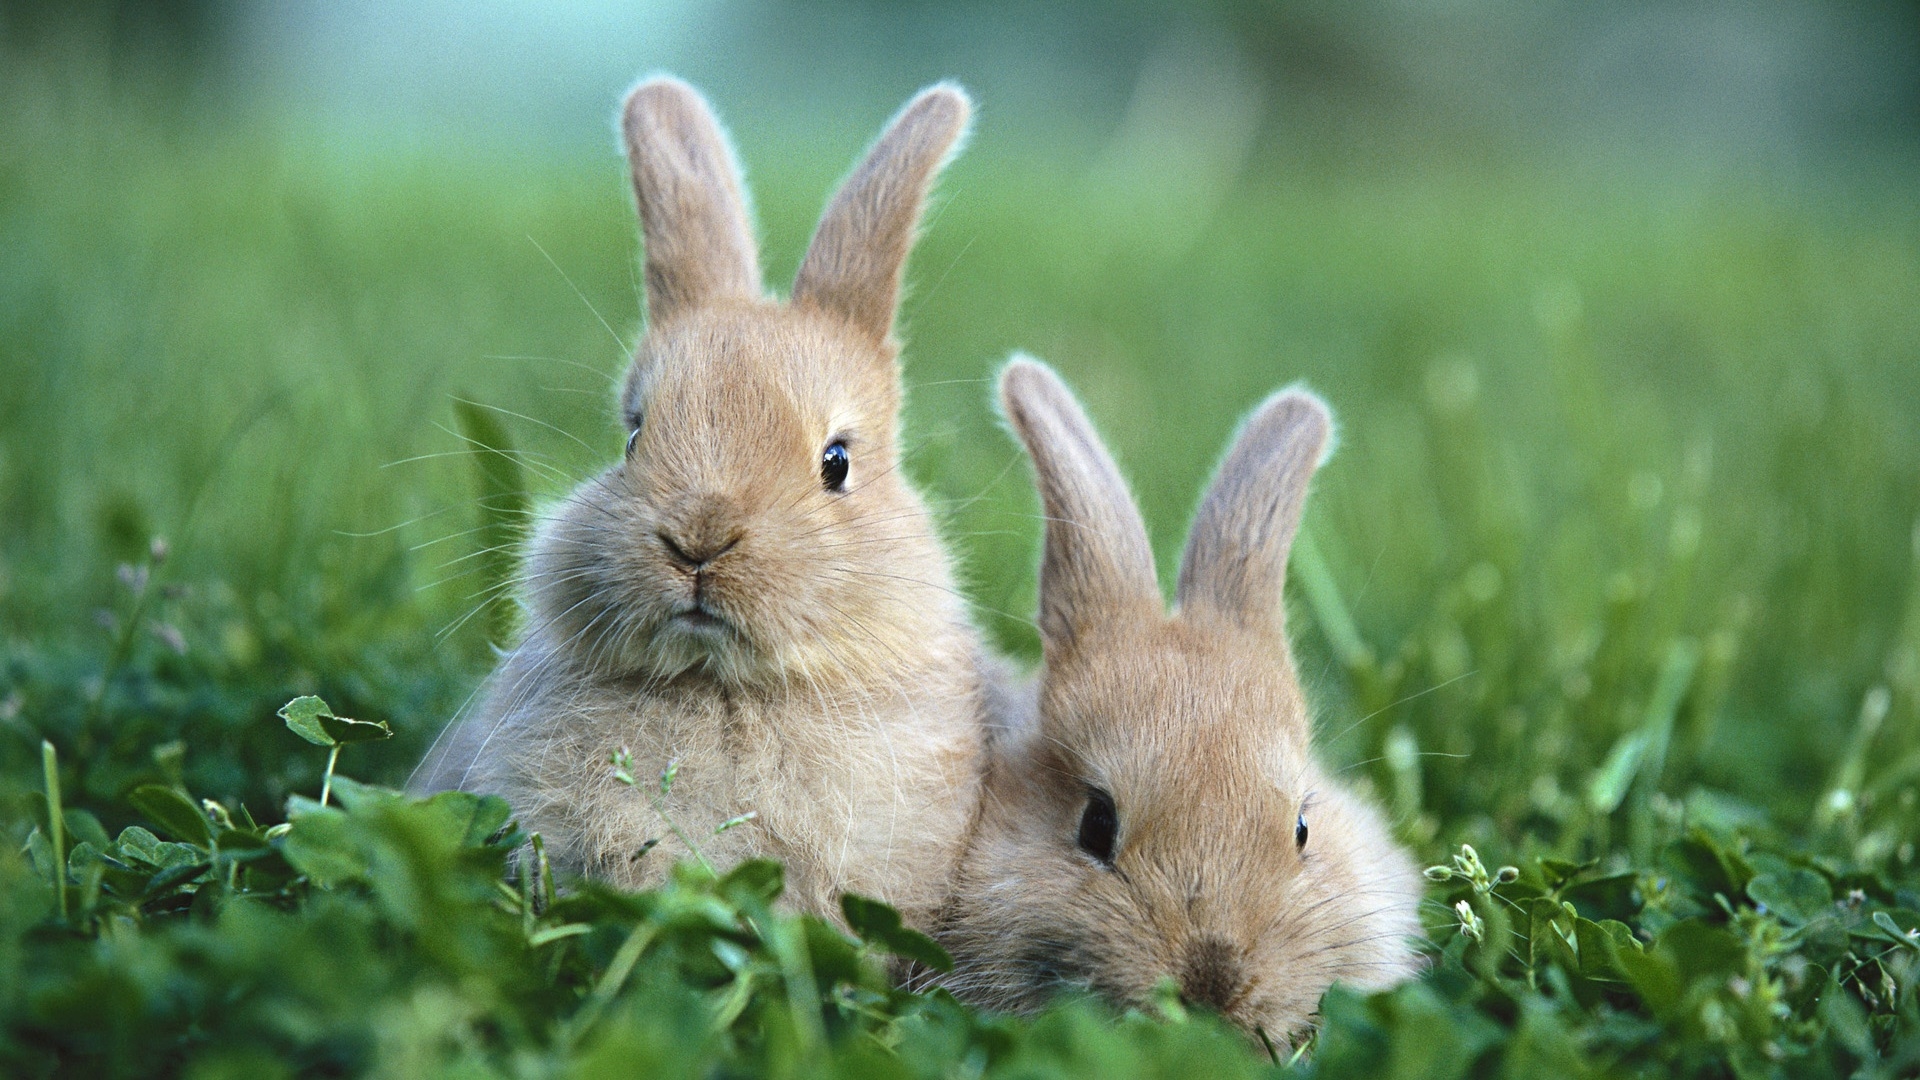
(1054,963)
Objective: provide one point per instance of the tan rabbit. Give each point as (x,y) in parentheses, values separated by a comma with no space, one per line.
(1160,814)
(755,592)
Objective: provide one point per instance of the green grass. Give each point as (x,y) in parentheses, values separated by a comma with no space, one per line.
(1616,576)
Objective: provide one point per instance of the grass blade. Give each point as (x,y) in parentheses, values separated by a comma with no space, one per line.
(56,824)
(503,510)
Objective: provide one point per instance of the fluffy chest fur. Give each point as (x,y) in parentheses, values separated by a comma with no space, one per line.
(854,789)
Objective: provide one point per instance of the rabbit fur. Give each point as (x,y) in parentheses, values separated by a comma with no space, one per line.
(713,600)
(1193,729)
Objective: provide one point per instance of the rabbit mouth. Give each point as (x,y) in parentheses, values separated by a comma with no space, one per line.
(699,620)
(690,637)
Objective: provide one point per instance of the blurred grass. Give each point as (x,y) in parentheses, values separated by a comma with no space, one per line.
(1584,417)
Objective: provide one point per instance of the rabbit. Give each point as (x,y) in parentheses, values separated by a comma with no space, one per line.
(753,602)
(1157,811)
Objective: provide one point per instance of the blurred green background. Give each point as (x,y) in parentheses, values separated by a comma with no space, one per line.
(1618,306)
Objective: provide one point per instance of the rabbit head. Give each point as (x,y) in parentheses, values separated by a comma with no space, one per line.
(1161,815)
(759,524)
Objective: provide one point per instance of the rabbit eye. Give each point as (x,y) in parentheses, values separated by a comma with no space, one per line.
(1099,825)
(833,466)
(1300,833)
(633,440)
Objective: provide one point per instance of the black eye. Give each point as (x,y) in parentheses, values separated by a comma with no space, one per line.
(1099,824)
(833,466)
(1300,833)
(633,440)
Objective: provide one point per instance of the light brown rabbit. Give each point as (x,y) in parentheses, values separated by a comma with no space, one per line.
(1161,814)
(755,592)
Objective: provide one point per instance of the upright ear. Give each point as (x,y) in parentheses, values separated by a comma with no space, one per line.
(693,216)
(1097,566)
(853,265)
(1236,558)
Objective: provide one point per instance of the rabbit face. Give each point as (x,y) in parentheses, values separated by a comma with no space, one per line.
(759,510)
(1196,753)
(758,528)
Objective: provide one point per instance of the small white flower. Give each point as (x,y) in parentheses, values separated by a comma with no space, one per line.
(1470,923)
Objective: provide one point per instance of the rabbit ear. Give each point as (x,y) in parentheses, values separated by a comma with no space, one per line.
(1236,558)
(1097,565)
(699,240)
(853,265)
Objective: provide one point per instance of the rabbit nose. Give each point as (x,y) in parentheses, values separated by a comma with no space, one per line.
(1211,975)
(694,554)
(708,529)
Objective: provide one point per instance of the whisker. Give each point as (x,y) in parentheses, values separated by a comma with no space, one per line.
(626,351)
(523,416)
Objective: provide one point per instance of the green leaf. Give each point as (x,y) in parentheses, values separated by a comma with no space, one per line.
(237,840)
(1890,924)
(1846,1020)
(474,818)
(175,875)
(1601,944)
(83,826)
(868,918)
(343,730)
(303,714)
(1655,976)
(1796,897)
(174,813)
(1705,866)
(83,855)
(122,880)
(1544,1046)
(878,924)
(1613,897)
(1558,872)
(914,946)
(40,850)
(836,960)
(1701,950)
(1686,954)
(139,844)
(353,795)
(454,819)
(1824,940)
(1409,1033)
(1551,934)
(322,845)
(759,879)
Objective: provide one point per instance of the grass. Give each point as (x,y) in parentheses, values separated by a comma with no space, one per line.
(1615,577)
